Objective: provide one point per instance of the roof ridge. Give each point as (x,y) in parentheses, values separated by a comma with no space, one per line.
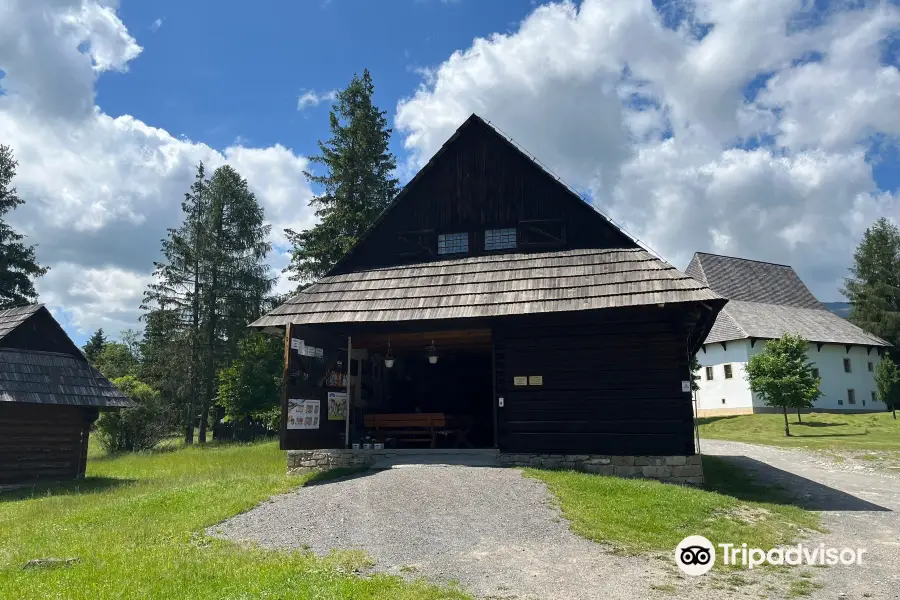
(763,262)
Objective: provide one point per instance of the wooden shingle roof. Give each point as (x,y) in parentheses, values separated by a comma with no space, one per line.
(767,300)
(10,318)
(492,286)
(55,378)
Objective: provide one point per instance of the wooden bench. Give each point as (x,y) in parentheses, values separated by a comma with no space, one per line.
(410,427)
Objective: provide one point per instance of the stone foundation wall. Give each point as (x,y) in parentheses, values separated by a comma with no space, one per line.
(673,469)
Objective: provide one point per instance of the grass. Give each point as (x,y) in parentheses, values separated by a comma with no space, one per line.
(136,525)
(819,431)
(641,515)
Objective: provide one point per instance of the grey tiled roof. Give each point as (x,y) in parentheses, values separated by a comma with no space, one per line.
(740,320)
(493,285)
(751,280)
(10,318)
(54,378)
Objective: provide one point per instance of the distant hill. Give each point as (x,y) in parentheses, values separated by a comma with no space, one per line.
(841,309)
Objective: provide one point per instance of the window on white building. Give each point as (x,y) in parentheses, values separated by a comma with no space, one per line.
(874,397)
(727,371)
(723,400)
(453,243)
(871,367)
(846,365)
(709,373)
(851,396)
(500,239)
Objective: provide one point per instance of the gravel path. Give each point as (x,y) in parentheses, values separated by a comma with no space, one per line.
(492,529)
(500,535)
(860,507)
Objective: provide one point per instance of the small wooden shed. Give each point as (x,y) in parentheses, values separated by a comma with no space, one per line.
(49,397)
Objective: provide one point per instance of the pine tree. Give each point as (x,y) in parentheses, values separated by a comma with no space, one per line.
(95,346)
(357,187)
(177,291)
(18,265)
(887,382)
(874,288)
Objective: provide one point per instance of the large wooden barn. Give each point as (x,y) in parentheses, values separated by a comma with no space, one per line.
(49,397)
(490,306)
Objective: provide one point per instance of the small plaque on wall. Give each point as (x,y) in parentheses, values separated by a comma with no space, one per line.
(535,380)
(520,381)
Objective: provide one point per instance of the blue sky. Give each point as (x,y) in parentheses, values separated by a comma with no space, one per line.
(219,72)
(765,129)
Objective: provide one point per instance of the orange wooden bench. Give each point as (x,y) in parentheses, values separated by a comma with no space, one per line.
(410,427)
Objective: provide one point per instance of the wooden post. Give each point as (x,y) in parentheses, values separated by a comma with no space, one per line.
(347,410)
(285,382)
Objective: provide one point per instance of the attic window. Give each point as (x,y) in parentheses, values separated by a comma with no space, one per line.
(500,239)
(453,243)
(846,365)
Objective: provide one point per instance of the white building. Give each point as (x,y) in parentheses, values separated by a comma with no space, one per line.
(765,301)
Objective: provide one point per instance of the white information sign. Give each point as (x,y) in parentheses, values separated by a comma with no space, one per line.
(303,414)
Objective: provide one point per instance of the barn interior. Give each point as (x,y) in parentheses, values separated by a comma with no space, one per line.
(424,389)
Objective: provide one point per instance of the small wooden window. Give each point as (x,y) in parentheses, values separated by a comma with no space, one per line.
(846,365)
(727,371)
(840,402)
(851,396)
(453,243)
(723,400)
(709,373)
(871,367)
(874,397)
(500,239)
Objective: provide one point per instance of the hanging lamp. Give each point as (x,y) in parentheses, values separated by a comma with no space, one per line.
(389,359)
(432,355)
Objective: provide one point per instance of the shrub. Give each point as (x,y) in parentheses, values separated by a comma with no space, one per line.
(140,427)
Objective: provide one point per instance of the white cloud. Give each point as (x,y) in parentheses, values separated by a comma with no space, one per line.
(650,112)
(100,191)
(312,98)
(155,25)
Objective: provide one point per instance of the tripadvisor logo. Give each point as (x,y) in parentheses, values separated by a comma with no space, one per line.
(696,555)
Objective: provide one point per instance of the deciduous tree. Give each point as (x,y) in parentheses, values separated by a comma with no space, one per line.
(887,383)
(783,376)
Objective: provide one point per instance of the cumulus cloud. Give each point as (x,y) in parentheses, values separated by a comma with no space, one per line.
(717,125)
(313,98)
(100,191)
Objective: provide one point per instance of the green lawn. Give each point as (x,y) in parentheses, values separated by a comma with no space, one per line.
(819,431)
(641,515)
(136,525)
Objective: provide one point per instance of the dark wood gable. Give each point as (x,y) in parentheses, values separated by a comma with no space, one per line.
(478,181)
(40,332)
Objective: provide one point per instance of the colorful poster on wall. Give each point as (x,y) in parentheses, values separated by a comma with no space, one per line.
(337,406)
(336,378)
(303,414)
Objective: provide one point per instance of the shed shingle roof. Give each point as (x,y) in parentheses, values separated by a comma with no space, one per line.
(54,378)
(490,286)
(767,300)
(10,318)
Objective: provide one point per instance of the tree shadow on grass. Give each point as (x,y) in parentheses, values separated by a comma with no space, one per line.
(755,481)
(89,485)
(820,424)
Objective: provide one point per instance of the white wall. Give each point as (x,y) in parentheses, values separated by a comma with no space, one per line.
(830,362)
(734,391)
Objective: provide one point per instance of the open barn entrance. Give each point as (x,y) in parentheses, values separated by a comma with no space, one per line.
(424,389)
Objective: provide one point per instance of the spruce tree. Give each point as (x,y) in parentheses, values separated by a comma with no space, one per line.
(874,288)
(18,265)
(95,346)
(235,278)
(357,186)
(177,290)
